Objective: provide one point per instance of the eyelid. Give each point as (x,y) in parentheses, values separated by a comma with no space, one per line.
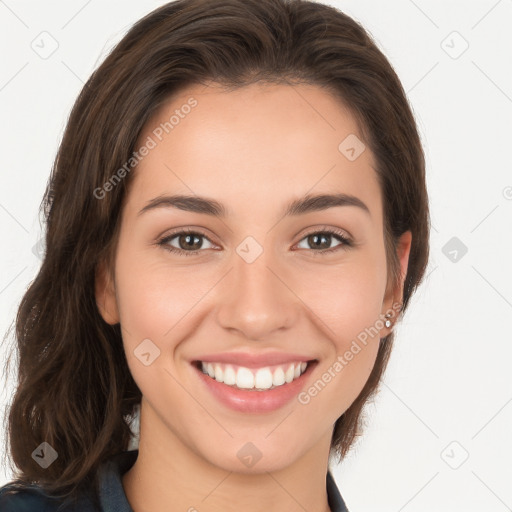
(322,228)
(187,229)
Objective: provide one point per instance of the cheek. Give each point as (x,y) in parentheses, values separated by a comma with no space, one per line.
(346,303)
(142,302)
(153,290)
(160,301)
(346,298)
(153,306)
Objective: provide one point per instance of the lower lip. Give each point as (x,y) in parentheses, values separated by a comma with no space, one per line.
(253,400)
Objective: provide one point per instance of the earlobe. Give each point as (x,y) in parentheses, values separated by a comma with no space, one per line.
(105,294)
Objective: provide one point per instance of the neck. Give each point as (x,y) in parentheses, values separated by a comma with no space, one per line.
(170,476)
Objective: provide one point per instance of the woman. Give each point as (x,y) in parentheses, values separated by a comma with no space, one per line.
(236,219)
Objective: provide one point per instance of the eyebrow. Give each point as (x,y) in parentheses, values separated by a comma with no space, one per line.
(307,204)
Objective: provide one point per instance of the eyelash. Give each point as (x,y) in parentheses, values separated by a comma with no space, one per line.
(164,242)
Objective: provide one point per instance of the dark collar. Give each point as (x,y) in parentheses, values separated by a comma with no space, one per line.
(113,497)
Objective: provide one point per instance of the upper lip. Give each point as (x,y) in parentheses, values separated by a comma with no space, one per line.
(254,360)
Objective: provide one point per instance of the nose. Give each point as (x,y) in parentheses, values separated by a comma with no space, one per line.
(257,299)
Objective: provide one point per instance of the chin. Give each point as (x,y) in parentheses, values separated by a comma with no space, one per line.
(254,457)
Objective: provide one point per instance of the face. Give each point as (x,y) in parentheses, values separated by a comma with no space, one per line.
(256,288)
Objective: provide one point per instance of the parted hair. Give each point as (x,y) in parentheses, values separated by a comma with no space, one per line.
(73,388)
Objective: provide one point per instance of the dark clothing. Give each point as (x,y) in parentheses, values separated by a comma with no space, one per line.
(112,496)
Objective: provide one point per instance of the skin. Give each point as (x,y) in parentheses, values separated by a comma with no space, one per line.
(254,150)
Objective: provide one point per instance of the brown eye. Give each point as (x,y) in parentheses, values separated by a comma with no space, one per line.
(189,242)
(320,241)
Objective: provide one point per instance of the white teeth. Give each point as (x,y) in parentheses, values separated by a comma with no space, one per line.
(278,377)
(244,378)
(261,379)
(219,374)
(288,376)
(229,376)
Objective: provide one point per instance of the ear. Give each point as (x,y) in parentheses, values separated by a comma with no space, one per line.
(105,293)
(395,296)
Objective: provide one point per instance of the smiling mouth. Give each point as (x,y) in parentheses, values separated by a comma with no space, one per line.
(256,379)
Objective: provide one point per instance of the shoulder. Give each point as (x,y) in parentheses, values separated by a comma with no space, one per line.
(108,495)
(33,499)
(26,499)
(336,502)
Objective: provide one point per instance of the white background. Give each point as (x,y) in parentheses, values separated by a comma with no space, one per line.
(447,393)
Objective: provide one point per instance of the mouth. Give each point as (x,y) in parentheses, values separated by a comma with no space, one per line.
(265,378)
(253,390)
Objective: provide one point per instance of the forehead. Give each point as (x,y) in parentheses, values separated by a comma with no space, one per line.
(261,144)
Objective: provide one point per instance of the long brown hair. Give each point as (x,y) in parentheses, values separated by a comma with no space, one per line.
(74,388)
